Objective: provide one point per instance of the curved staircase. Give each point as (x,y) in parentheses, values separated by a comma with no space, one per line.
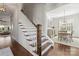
(27,36)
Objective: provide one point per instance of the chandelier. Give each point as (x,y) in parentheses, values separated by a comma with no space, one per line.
(2,8)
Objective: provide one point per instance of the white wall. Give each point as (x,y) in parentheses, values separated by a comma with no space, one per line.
(40,16)
(68,9)
(16,16)
(36,13)
(13,8)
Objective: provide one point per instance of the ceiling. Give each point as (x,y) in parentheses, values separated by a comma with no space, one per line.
(64,10)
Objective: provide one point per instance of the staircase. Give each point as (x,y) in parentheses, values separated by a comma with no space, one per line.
(28,36)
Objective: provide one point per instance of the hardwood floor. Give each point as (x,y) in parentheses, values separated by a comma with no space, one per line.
(18,50)
(63,50)
(57,50)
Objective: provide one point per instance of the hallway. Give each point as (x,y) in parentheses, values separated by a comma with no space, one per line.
(29,34)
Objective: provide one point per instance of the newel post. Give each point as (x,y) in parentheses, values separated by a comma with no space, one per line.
(39,30)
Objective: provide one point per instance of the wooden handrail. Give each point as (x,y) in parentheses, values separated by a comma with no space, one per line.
(39,30)
(39,35)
